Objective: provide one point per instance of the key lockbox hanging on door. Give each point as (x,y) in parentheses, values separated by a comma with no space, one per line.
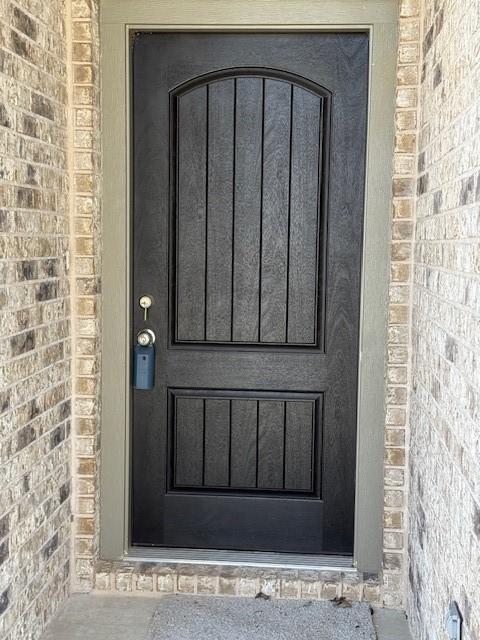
(144,360)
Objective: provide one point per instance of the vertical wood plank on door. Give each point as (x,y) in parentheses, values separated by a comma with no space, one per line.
(189,427)
(303,258)
(221,108)
(217,443)
(191,212)
(298,446)
(243,471)
(270,444)
(275,211)
(247,212)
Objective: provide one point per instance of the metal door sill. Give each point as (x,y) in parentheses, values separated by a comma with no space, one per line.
(241,558)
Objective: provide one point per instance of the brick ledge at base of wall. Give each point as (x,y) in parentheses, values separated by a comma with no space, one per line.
(172,578)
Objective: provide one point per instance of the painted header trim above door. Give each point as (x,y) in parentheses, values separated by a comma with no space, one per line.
(250,14)
(119,19)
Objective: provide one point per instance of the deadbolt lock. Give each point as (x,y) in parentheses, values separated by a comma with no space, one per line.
(145,302)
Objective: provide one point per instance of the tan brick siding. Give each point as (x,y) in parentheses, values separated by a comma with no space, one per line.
(86,189)
(35,380)
(444,530)
(396,426)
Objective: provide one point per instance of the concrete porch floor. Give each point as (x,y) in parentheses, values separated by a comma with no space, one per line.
(113,617)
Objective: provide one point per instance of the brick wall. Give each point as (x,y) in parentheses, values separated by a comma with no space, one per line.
(444,531)
(35,378)
(85,204)
(398,353)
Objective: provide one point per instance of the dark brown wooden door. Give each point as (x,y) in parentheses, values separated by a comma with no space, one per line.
(248,156)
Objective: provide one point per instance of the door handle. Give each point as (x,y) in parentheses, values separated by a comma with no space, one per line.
(145,337)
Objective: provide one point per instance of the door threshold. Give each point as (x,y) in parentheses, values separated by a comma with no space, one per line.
(242,558)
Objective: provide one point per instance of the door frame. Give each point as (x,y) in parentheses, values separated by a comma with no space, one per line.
(119,20)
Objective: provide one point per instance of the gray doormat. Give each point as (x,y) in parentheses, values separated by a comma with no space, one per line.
(220,618)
